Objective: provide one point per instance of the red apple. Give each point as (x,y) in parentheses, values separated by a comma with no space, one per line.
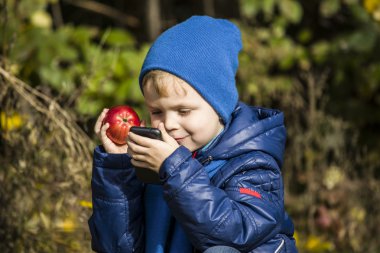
(121,118)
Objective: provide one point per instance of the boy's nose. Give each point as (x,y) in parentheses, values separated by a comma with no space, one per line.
(170,123)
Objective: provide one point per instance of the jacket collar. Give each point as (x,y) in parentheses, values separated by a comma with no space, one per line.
(251,128)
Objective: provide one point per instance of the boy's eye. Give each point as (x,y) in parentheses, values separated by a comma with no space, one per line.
(155,112)
(184,112)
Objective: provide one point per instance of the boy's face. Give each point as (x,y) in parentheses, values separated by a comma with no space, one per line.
(188,118)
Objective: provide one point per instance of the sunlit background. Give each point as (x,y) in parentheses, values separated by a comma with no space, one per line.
(62,61)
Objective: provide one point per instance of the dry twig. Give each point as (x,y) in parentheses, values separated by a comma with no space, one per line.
(76,140)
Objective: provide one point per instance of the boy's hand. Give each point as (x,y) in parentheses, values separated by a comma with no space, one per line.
(108,145)
(150,153)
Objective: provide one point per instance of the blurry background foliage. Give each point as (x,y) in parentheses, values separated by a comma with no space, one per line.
(63,61)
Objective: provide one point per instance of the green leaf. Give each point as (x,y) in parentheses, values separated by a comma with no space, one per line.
(320,51)
(291,10)
(362,40)
(249,8)
(268,7)
(360,14)
(329,8)
(305,35)
(119,38)
(88,106)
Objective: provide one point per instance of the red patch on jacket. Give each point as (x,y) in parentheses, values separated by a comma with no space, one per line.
(250,192)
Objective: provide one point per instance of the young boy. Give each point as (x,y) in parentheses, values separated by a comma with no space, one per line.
(219,161)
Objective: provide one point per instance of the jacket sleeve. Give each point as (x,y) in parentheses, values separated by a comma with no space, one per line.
(116,224)
(246,212)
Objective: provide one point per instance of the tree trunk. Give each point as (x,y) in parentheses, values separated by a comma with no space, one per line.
(152,18)
(208,7)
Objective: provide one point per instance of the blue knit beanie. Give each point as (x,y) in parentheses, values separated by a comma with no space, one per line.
(202,51)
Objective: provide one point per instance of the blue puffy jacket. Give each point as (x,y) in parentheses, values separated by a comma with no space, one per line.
(241,206)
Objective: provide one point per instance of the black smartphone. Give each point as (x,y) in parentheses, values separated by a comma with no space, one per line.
(144,174)
(149,132)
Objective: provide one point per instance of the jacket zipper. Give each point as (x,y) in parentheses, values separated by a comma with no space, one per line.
(280,246)
(207,160)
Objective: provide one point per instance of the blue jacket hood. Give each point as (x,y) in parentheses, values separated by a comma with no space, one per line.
(251,128)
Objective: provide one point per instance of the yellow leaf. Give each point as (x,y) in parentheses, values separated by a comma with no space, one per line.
(10,122)
(15,69)
(67,225)
(317,244)
(296,238)
(358,214)
(85,203)
(376,14)
(333,176)
(371,5)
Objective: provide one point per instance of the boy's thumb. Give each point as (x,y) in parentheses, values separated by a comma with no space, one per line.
(165,135)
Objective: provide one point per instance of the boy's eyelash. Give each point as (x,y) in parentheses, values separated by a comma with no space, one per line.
(184,112)
(181,112)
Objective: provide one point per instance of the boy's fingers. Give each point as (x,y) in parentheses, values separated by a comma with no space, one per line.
(165,136)
(134,148)
(140,158)
(139,164)
(163,131)
(99,121)
(143,123)
(103,130)
(139,140)
(108,145)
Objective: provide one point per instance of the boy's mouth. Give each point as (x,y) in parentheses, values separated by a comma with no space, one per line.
(179,138)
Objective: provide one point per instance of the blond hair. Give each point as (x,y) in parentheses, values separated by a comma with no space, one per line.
(164,83)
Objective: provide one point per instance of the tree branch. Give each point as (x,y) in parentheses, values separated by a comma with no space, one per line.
(106,11)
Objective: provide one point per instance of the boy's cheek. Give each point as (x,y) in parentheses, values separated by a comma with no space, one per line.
(154,122)
(155,125)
